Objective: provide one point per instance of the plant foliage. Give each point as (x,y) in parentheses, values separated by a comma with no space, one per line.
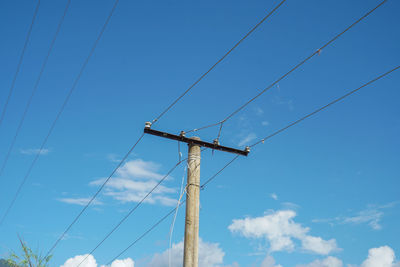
(28,258)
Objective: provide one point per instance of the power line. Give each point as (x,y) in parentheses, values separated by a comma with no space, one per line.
(261,141)
(35,87)
(132,210)
(217,173)
(21,58)
(326,106)
(289,72)
(146,232)
(61,110)
(169,107)
(94,196)
(106,182)
(219,61)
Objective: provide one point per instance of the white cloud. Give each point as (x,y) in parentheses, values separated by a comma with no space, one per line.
(113,157)
(247,139)
(284,101)
(327,262)
(280,230)
(318,245)
(140,169)
(290,206)
(134,180)
(68,236)
(274,196)
(128,262)
(34,151)
(80,201)
(131,183)
(377,257)
(259,111)
(382,257)
(210,255)
(372,216)
(269,261)
(73,262)
(90,261)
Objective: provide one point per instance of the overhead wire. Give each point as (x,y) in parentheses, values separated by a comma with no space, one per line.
(237,156)
(219,61)
(317,52)
(19,64)
(35,87)
(66,100)
(212,67)
(139,141)
(94,196)
(181,96)
(142,136)
(218,172)
(146,232)
(325,106)
(132,210)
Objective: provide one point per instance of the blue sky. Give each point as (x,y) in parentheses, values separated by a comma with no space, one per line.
(323,193)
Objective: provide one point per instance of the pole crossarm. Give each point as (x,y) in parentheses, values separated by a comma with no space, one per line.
(183,138)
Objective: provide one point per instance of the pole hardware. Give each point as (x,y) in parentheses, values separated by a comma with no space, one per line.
(183,138)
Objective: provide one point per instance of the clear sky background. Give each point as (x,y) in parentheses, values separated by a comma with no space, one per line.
(325,192)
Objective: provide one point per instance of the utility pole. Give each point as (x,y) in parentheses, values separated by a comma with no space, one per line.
(190,254)
(191,241)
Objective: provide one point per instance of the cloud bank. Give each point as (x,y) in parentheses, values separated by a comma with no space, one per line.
(131,183)
(134,180)
(211,255)
(34,151)
(280,230)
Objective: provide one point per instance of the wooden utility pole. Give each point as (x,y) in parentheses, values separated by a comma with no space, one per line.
(190,255)
(191,242)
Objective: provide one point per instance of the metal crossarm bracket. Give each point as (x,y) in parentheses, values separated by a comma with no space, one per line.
(184,139)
